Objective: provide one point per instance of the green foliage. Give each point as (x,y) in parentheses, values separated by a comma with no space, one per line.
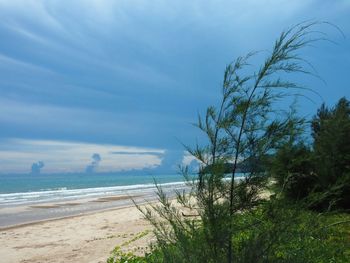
(331,133)
(273,232)
(118,256)
(292,167)
(321,175)
(286,233)
(331,129)
(121,257)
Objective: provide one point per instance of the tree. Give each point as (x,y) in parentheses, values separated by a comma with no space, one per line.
(292,167)
(321,174)
(331,133)
(247,125)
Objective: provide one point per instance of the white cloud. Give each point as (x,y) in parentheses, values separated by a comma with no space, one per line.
(17,156)
(188,159)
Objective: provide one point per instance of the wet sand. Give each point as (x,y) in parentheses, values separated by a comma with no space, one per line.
(24,214)
(88,237)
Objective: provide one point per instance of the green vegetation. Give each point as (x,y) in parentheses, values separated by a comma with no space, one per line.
(220,220)
(331,133)
(321,173)
(118,255)
(281,234)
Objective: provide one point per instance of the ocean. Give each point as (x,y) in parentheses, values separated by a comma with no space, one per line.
(27,189)
(23,189)
(36,197)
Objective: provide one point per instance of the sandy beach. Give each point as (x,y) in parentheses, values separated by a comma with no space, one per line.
(80,238)
(84,230)
(77,229)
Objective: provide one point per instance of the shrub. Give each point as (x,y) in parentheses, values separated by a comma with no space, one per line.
(245,127)
(331,133)
(292,167)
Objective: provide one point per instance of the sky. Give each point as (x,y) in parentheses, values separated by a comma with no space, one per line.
(102,85)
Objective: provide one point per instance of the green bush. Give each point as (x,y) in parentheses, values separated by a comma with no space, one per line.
(321,174)
(274,232)
(292,235)
(292,167)
(331,133)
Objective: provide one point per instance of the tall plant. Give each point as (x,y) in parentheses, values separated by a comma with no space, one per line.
(245,128)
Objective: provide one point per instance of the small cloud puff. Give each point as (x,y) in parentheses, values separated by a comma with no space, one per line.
(36,167)
(91,168)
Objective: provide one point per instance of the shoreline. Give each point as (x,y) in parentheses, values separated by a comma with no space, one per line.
(30,214)
(11,216)
(54,197)
(80,230)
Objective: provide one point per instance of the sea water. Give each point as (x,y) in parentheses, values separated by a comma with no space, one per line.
(22,189)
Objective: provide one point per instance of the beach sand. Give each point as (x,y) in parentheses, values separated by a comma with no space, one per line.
(81,238)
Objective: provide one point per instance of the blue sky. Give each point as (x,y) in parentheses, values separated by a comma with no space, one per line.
(125,79)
